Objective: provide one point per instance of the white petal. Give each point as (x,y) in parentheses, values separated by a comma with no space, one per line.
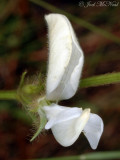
(51,113)
(53,110)
(65,58)
(68,125)
(65,133)
(57,114)
(82,120)
(93,130)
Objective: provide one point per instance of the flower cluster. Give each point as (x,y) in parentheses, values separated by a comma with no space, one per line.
(64,70)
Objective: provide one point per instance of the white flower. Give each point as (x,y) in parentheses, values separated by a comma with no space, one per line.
(65,59)
(64,71)
(68,123)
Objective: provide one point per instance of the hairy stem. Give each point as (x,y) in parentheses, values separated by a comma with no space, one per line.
(105,79)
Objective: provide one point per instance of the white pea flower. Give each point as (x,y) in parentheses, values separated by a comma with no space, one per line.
(64,70)
(68,123)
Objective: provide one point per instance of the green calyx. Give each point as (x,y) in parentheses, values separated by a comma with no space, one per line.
(30,94)
(29,90)
(43,120)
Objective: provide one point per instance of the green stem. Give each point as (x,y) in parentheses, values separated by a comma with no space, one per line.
(105,79)
(79,21)
(89,156)
(7,95)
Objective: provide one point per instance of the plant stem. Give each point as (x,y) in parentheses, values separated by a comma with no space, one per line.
(8,95)
(105,79)
(79,21)
(89,156)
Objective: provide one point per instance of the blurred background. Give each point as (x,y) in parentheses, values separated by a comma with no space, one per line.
(23,46)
